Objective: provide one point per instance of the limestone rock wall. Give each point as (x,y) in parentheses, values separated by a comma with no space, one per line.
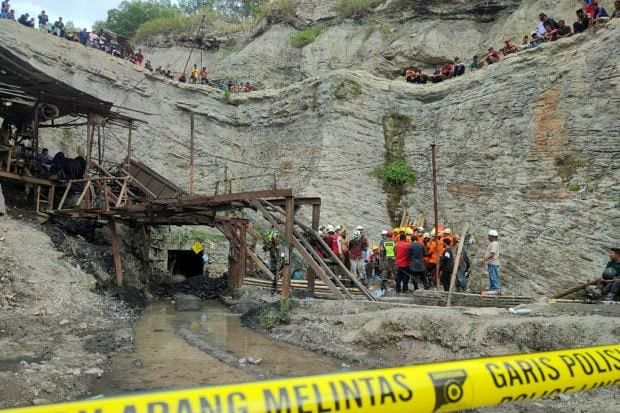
(527,146)
(401,34)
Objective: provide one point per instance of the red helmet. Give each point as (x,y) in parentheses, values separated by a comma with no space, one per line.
(390,233)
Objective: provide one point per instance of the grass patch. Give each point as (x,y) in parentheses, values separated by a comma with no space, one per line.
(306,36)
(396,173)
(226,96)
(370,29)
(356,8)
(273,315)
(187,24)
(278,9)
(568,164)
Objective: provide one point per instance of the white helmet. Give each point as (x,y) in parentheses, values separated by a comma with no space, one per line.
(338,227)
(420,229)
(359,228)
(447,231)
(357,235)
(384,232)
(330,228)
(427,235)
(493,233)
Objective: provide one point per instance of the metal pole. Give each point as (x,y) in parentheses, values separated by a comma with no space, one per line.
(194,42)
(191,153)
(436,236)
(129,146)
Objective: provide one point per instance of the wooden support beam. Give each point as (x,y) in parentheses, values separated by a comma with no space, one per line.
(315,266)
(260,264)
(116,253)
(51,194)
(316,219)
(83,194)
(459,253)
(191,153)
(288,241)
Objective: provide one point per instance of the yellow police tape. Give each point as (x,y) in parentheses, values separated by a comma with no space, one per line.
(439,387)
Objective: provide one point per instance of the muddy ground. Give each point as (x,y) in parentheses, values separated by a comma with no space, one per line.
(59,332)
(56,331)
(372,335)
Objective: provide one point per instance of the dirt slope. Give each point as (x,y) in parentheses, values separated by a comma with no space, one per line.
(55,331)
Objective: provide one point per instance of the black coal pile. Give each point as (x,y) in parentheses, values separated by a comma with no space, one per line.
(204,287)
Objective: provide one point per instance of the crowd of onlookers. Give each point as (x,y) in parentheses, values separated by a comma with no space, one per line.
(101,40)
(201,77)
(547,30)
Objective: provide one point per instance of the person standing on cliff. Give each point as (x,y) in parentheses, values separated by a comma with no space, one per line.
(491,259)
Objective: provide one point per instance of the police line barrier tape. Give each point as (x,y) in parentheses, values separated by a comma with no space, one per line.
(438,387)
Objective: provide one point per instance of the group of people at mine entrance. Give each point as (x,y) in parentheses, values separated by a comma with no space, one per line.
(410,254)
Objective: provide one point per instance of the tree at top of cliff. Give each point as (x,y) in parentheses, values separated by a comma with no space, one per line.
(129,15)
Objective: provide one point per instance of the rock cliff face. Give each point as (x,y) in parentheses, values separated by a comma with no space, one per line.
(401,33)
(528,146)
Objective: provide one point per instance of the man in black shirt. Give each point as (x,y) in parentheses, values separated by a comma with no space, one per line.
(582,23)
(447,264)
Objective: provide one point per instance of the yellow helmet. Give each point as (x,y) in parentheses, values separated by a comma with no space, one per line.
(375,247)
(408,231)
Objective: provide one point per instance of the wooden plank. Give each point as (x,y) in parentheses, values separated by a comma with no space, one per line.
(326,272)
(116,253)
(83,195)
(288,238)
(261,265)
(318,270)
(459,253)
(64,196)
(316,220)
(333,256)
(29,179)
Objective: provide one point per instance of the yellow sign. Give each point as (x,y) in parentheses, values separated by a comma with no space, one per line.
(439,387)
(197,248)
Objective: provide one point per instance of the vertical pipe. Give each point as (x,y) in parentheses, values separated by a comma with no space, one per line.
(436,213)
(116,253)
(191,153)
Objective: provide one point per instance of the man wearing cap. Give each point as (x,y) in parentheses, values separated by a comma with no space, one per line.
(491,259)
(365,250)
(612,271)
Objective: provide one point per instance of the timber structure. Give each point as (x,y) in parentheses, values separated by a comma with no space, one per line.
(131,193)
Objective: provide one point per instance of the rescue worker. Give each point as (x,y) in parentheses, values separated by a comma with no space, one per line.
(462,276)
(337,243)
(434,249)
(365,250)
(446,264)
(376,265)
(272,245)
(387,246)
(356,256)
(612,272)
(328,237)
(402,264)
(491,259)
(416,264)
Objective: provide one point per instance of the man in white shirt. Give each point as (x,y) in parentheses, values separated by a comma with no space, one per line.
(491,259)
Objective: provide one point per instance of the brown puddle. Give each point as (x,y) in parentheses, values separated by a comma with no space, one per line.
(163,359)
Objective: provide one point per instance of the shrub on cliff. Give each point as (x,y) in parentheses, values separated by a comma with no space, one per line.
(396,173)
(355,8)
(306,36)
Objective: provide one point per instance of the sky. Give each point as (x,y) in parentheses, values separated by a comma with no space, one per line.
(83,13)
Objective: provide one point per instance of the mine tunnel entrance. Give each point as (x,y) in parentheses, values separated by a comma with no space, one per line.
(185,262)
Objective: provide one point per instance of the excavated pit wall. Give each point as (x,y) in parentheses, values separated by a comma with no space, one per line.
(527,146)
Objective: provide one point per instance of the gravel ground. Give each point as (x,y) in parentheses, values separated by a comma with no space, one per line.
(56,331)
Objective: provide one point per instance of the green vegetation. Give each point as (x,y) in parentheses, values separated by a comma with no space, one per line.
(131,14)
(370,29)
(306,36)
(355,8)
(278,9)
(270,317)
(568,164)
(226,96)
(396,173)
(204,235)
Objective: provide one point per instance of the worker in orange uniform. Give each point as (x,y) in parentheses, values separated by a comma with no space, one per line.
(434,250)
